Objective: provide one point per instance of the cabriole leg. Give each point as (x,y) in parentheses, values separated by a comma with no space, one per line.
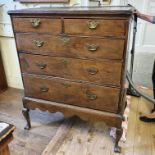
(25,112)
(119,133)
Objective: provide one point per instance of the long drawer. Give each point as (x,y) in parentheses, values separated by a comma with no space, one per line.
(79,94)
(82,47)
(100,72)
(41,25)
(97,27)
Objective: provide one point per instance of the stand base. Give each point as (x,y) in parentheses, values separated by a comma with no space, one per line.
(86,114)
(132,92)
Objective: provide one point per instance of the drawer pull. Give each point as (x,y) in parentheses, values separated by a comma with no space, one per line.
(38,43)
(92,24)
(91,96)
(35,22)
(66,85)
(92,47)
(92,71)
(44,89)
(64,40)
(41,65)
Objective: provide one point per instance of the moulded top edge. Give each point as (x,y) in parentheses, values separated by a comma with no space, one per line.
(76,10)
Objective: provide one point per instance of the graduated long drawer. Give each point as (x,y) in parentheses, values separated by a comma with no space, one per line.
(78,94)
(98,71)
(82,47)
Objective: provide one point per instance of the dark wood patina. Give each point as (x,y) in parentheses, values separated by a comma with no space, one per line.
(73,60)
(6,136)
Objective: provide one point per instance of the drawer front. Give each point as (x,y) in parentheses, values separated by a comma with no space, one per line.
(41,25)
(81,47)
(95,27)
(101,72)
(79,94)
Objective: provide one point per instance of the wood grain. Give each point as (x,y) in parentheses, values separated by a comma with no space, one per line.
(74,93)
(67,46)
(99,72)
(117,12)
(45,25)
(104,27)
(142,131)
(86,114)
(85,138)
(64,129)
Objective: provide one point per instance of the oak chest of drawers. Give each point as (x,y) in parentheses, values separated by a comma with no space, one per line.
(73,60)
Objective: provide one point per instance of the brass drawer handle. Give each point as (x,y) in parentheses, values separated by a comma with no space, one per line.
(35,22)
(91,96)
(44,89)
(66,85)
(92,24)
(38,43)
(41,65)
(92,47)
(92,71)
(64,40)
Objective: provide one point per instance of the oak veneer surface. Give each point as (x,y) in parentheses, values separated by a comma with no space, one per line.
(47,25)
(75,57)
(99,72)
(75,93)
(66,46)
(111,10)
(104,27)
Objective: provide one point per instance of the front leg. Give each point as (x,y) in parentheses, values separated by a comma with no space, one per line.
(119,133)
(25,112)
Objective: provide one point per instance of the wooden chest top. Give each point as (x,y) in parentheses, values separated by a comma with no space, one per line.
(103,10)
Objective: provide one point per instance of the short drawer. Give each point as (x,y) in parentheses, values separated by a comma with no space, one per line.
(81,47)
(100,72)
(97,27)
(79,94)
(41,25)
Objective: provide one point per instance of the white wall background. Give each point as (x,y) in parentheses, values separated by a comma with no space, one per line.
(145,39)
(145,45)
(146,31)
